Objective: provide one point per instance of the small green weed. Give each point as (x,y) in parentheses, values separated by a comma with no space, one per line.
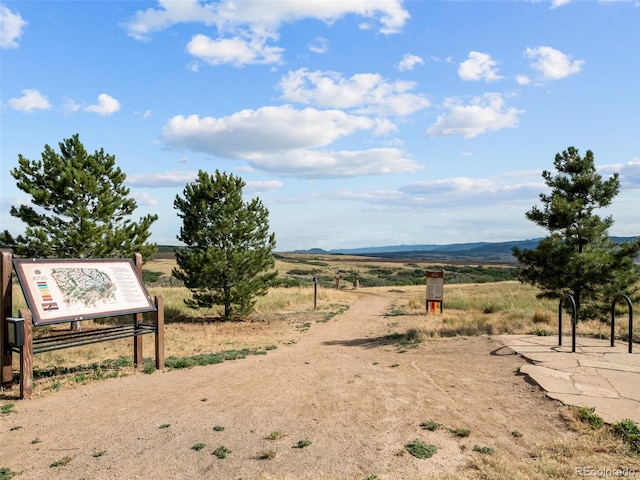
(516,433)
(13,429)
(221,452)
(198,446)
(483,450)
(35,440)
(62,462)
(268,454)
(588,415)
(165,425)
(540,331)
(302,443)
(7,473)
(276,435)
(430,425)
(99,454)
(460,432)
(218,428)
(149,368)
(7,408)
(629,432)
(419,449)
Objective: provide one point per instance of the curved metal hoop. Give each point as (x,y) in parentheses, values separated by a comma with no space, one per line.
(574,320)
(613,319)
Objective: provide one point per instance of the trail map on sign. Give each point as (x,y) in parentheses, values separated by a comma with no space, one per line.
(66,290)
(84,286)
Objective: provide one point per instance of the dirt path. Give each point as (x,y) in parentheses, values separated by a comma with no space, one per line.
(344,386)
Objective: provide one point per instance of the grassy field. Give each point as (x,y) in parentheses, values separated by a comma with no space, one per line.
(505,307)
(478,308)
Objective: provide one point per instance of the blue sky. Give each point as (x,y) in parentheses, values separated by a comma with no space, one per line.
(356,122)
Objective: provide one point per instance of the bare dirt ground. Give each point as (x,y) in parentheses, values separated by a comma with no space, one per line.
(345,386)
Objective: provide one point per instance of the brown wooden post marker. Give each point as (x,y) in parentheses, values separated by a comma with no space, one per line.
(159,332)
(26,355)
(6,357)
(138,359)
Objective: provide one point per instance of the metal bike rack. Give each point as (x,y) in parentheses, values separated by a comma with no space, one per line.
(613,319)
(574,320)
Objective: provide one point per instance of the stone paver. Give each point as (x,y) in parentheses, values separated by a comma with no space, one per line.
(596,375)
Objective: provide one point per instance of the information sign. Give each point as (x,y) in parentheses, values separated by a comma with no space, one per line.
(65,290)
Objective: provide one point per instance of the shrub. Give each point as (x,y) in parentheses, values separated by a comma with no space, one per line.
(419,449)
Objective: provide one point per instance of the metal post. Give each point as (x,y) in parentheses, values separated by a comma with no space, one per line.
(6,310)
(138,358)
(315,293)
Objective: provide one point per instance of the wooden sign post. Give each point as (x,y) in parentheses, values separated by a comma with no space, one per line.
(435,290)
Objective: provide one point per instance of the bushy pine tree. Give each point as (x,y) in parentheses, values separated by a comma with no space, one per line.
(228,257)
(578,257)
(80,206)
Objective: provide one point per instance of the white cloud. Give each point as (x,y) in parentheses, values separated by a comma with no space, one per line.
(552,63)
(479,66)
(11,26)
(319,45)
(174,178)
(461,191)
(409,62)
(284,140)
(107,105)
(559,3)
(244,28)
(335,164)
(367,93)
(144,199)
(261,186)
(523,80)
(180,178)
(486,113)
(31,99)
(229,15)
(629,173)
(266,130)
(71,106)
(236,50)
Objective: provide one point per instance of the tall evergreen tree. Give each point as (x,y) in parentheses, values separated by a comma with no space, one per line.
(228,257)
(578,257)
(80,206)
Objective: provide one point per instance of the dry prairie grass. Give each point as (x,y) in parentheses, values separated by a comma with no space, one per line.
(282,316)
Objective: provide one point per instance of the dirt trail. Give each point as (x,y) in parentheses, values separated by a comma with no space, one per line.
(344,386)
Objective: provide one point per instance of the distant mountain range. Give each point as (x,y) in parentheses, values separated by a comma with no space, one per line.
(485,252)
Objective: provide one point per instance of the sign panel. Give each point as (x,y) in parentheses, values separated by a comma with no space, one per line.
(66,290)
(435,286)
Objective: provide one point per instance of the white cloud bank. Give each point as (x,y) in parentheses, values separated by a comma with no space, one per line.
(244,29)
(367,93)
(285,141)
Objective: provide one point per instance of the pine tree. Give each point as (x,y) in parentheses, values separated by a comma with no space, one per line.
(578,257)
(228,254)
(80,206)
